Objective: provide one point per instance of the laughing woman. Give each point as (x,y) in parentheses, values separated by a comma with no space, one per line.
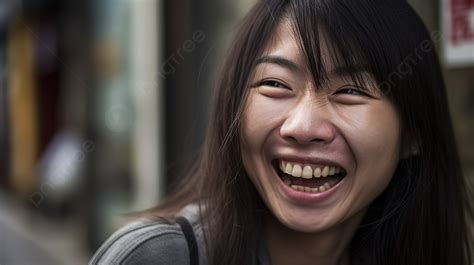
(330,143)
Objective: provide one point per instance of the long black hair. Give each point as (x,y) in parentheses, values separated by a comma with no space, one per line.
(421,217)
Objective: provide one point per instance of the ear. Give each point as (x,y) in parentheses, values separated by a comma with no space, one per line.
(409,147)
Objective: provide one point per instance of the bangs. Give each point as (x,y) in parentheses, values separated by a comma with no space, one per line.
(345,39)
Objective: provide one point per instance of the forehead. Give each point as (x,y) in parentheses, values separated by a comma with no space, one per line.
(285,49)
(285,42)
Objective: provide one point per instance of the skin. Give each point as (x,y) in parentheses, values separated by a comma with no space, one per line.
(286,114)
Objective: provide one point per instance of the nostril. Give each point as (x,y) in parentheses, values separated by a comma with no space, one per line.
(304,140)
(318,140)
(291,138)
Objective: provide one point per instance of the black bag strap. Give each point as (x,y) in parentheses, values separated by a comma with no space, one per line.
(190,239)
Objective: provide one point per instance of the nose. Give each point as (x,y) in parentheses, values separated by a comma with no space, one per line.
(308,122)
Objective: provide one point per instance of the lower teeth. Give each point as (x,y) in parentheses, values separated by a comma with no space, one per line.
(328,185)
(312,190)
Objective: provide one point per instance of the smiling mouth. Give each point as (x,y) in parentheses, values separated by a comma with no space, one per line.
(309,178)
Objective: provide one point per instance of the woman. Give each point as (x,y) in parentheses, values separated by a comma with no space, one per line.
(330,142)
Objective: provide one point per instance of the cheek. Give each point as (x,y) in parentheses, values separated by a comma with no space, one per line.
(374,138)
(259,120)
(377,135)
(261,117)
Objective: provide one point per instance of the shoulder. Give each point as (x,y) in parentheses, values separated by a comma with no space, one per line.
(148,242)
(143,241)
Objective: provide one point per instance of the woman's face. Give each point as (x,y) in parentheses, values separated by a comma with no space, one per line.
(318,157)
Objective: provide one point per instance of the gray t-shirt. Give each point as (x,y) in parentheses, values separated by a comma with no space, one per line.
(157,242)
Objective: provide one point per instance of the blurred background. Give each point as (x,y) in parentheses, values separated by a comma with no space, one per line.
(103,103)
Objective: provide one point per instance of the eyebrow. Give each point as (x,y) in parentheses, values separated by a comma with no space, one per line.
(281,61)
(349,70)
(338,71)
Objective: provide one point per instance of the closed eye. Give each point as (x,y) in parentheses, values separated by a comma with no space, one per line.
(273,83)
(351,91)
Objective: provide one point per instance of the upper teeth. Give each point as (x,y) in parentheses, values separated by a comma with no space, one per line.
(307,171)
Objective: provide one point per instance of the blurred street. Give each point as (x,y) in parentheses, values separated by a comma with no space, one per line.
(29,238)
(104,103)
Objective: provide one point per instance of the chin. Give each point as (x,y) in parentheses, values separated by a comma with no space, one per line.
(304,222)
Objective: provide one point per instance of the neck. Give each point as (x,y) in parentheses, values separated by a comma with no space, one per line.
(330,247)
